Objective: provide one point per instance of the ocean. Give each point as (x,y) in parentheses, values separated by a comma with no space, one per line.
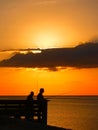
(73,112)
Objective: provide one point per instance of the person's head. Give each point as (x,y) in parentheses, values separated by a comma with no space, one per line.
(41,90)
(32,93)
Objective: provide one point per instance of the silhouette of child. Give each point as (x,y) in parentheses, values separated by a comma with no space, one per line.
(30,96)
(29,106)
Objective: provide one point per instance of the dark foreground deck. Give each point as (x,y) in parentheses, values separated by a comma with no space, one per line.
(7,123)
(18,109)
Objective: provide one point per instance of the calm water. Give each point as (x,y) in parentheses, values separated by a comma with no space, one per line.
(78,113)
(74,112)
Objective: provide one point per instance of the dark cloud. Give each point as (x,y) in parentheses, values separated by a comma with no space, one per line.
(94,39)
(20,50)
(81,56)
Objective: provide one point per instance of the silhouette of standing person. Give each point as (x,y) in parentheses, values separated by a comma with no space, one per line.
(40,96)
(41,100)
(29,106)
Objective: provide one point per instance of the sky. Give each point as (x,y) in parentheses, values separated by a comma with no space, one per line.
(47,23)
(65,34)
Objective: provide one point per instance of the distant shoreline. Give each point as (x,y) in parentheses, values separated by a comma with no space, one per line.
(48,97)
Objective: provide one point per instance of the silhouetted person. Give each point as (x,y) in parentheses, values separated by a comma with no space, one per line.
(30,96)
(41,100)
(29,106)
(40,96)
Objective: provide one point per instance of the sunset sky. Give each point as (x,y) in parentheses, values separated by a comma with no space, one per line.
(48,24)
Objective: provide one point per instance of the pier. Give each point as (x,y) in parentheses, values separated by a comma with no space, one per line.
(18,109)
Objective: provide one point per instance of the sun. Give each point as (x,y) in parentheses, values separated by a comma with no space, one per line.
(47,39)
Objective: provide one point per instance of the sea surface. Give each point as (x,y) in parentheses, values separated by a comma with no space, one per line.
(73,112)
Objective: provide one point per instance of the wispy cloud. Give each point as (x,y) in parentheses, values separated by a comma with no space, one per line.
(7,53)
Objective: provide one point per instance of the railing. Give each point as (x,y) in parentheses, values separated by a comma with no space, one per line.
(19,108)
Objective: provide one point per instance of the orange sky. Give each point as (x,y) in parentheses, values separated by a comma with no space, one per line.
(46,24)
(71,81)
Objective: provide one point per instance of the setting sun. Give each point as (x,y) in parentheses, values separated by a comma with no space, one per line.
(47,39)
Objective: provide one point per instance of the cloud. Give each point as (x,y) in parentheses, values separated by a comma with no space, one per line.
(81,56)
(94,39)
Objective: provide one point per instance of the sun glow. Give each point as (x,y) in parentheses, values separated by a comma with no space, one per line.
(47,40)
